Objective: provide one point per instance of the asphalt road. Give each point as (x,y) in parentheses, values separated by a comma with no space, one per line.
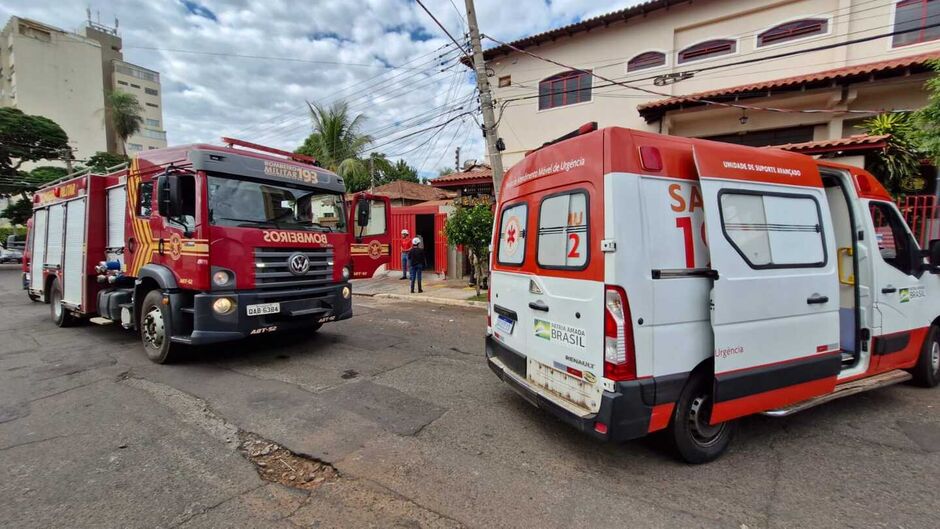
(420,432)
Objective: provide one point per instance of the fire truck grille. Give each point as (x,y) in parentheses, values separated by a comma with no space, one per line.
(273,268)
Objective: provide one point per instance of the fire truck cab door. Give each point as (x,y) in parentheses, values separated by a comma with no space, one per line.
(371,247)
(775,302)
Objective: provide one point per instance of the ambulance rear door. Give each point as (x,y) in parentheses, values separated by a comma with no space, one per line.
(775,303)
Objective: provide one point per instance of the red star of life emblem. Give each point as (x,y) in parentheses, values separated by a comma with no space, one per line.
(511,235)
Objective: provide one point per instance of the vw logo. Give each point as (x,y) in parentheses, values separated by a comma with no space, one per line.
(298,264)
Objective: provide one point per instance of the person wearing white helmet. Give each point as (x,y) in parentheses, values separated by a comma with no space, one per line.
(416,257)
(406,245)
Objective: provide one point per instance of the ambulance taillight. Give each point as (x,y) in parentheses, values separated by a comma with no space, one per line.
(619,354)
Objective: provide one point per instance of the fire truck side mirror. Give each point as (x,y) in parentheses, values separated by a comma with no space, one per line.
(363,211)
(168,196)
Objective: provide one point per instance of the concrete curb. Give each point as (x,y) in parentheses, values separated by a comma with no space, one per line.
(425,299)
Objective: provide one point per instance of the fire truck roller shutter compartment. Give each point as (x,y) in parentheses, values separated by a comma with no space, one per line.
(39,249)
(54,236)
(117,202)
(73,274)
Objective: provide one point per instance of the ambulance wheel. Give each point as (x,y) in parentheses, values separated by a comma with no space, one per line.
(60,316)
(693,438)
(927,371)
(154,331)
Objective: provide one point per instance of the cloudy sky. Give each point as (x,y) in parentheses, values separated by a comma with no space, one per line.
(245,68)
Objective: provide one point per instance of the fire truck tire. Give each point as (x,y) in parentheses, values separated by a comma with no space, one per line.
(690,435)
(60,316)
(154,323)
(927,371)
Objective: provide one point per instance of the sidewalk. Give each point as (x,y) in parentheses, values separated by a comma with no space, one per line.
(436,290)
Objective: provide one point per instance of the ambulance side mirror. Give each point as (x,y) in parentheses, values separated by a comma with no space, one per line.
(168,196)
(363,212)
(933,256)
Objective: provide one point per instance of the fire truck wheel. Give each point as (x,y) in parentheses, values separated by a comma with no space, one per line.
(691,435)
(60,316)
(154,318)
(927,371)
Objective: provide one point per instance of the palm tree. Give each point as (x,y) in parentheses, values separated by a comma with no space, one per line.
(339,144)
(125,111)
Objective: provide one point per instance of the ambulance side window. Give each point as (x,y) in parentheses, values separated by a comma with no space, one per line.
(894,242)
(773,230)
(145,199)
(563,240)
(512,234)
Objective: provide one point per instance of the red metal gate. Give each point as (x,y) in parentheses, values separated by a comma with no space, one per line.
(400,221)
(440,244)
(920,212)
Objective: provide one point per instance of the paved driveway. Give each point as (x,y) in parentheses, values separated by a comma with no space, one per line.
(420,433)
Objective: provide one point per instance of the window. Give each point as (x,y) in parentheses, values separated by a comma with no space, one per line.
(771,230)
(152,122)
(707,50)
(135,85)
(152,105)
(135,147)
(512,234)
(145,199)
(894,242)
(650,59)
(122,83)
(913,18)
(376,224)
(563,231)
(564,89)
(150,91)
(793,30)
(505,81)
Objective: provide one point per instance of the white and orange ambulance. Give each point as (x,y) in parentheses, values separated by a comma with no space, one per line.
(643,282)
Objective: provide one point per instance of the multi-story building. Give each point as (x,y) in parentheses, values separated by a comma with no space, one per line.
(762,72)
(65,77)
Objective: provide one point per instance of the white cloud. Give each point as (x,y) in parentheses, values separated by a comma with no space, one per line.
(208,96)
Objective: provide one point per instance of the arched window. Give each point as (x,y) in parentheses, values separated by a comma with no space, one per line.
(650,59)
(915,18)
(708,49)
(793,30)
(563,89)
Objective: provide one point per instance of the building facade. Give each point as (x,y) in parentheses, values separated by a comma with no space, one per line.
(763,72)
(65,76)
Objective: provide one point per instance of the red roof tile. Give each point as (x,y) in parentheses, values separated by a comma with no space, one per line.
(759,89)
(856,142)
(479,173)
(401,189)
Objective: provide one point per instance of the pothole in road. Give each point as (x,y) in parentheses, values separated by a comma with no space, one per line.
(279,465)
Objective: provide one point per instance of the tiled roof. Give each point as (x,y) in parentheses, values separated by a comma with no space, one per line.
(822,78)
(480,172)
(638,10)
(401,189)
(852,143)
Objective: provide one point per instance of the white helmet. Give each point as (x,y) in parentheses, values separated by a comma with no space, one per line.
(404,232)
(416,241)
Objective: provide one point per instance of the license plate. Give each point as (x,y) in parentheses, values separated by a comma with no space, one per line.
(504,324)
(263,308)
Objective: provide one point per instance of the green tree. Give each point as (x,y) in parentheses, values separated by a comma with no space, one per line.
(444,171)
(18,212)
(927,119)
(400,170)
(472,228)
(339,143)
(46,173)
(25,138)
(101,161)
(897,165)
(124,111)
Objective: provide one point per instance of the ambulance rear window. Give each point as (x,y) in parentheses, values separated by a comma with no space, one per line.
(512,234)
(563,231)
(773,230)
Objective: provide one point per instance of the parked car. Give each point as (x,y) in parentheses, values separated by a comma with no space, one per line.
(11,256)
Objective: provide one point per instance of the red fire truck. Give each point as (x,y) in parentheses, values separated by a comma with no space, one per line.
(201,244)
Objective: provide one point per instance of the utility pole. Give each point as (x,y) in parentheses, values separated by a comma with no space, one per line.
(486,99)
(457,161)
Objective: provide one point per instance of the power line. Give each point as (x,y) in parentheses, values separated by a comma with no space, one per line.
(265,57)
(438,22)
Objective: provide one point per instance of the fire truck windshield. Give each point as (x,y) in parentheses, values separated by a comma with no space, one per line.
(249,203)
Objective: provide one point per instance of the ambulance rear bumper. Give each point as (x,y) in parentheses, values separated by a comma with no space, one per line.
(624,411)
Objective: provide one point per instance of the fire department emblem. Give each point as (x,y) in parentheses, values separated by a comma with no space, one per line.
(176,246)
(511,235)
(298,264)
(375,249)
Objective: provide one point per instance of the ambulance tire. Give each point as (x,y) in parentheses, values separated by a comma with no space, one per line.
(927,371)
(60,315)
(155,331)
(690,435)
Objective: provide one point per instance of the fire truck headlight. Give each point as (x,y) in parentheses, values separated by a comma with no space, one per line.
(346,292)
(221,278)
(346,273)
(223,305)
